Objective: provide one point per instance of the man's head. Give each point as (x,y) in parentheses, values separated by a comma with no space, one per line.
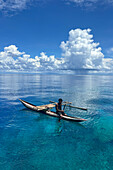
(60,100)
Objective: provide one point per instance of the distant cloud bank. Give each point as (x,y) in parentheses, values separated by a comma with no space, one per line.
(13,60)
(79,52)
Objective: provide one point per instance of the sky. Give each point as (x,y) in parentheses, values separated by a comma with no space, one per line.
(55,35)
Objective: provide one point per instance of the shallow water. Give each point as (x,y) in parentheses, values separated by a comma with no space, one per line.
(31,141)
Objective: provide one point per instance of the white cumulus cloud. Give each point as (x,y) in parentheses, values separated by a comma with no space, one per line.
(11,59)
(79,52)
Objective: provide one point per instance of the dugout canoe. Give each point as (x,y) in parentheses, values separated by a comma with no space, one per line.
(44,110)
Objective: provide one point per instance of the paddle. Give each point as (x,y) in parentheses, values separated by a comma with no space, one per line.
(78,107)
(66,104)
(64,107)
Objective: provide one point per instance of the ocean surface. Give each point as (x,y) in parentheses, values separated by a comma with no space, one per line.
(34,141)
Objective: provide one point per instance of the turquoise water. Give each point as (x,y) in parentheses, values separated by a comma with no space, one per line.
(31,141)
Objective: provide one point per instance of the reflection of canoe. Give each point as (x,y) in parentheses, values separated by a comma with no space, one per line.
(44,109)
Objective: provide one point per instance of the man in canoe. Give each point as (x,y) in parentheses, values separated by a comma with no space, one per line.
(58,107)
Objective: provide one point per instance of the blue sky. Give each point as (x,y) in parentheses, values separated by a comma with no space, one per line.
(35,27)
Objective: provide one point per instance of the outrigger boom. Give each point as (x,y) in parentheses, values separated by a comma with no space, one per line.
(69,105)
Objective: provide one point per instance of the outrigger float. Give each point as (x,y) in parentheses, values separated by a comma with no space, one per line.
(46,110)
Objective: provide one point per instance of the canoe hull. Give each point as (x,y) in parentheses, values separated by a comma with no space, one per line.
(50,113)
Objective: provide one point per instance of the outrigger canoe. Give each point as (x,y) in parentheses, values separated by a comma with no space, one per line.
(44,109)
